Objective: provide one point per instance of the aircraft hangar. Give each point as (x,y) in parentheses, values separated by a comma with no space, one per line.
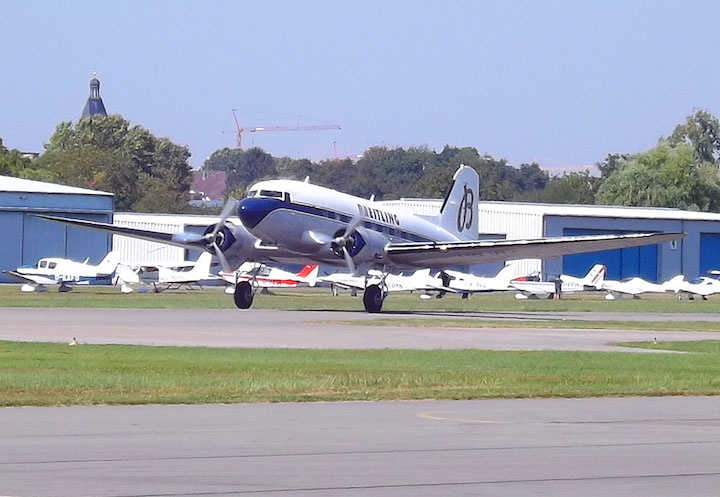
(693,256)
(27,238)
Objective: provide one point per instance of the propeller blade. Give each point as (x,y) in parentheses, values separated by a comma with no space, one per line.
(319,238)
(230,206)
(349,261)
(353,224)
(189,238)
(221,256)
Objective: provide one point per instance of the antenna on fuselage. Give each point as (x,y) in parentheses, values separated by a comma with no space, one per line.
(372,198)
(307,179)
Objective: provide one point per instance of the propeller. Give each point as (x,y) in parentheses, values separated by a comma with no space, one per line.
(340,243)
(211,239)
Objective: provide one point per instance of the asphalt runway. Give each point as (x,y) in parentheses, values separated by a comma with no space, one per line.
(305,329)
(560,447)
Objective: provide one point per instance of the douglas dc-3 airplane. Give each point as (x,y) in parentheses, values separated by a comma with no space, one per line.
(290,221)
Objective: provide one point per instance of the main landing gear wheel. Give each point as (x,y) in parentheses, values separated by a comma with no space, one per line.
(373,298)
(243,295)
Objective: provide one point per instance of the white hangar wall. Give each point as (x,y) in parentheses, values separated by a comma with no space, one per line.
(142,252)
(693,256)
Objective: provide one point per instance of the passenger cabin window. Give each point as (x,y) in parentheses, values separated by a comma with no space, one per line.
(52,265)
(252,193)
(271,194)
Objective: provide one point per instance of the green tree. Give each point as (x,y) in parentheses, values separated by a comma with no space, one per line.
(569,188)
(243,167)
(701,131)
(107,153)
(664,176)
(12,163)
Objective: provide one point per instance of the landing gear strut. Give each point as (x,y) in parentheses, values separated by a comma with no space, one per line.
(373,298)
(243,295)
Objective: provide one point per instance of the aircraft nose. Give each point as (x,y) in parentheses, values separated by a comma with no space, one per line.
(253,210)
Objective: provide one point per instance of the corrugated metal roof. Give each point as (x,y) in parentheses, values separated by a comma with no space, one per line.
(600,211)
(11,184)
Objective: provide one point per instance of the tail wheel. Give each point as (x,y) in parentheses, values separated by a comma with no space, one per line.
(373,298)
(243,295)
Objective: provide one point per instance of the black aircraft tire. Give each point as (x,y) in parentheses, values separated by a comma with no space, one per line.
(373,298)
(243,295)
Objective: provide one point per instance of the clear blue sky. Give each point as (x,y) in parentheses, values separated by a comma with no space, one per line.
(560,82)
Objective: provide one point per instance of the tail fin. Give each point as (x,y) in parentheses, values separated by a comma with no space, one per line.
(109,263)
(308,274)
(595,276)
(506,274)
(201,269)
(459,211)
(674,284)
(306,270)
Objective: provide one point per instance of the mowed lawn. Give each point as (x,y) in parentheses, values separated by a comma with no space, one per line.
(34,374)
(321,299)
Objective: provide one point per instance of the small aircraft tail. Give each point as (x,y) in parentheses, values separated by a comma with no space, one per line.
(506,274)
(201,269)
(459,211)
(308,274)
(109,263)
(595,276)
(674,284)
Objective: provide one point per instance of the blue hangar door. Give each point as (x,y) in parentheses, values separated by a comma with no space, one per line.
(620,263)
(709,252)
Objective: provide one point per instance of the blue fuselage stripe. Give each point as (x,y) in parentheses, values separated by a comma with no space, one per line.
(389,230)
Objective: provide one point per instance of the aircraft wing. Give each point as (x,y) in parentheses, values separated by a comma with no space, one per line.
(22,277)
(461,253)
(176,239)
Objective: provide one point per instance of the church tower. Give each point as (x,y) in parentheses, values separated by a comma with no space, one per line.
(94,105)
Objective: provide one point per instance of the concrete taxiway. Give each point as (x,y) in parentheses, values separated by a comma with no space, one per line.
(304,329)
(562,447)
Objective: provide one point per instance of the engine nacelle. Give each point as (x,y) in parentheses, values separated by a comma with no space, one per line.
(367,248)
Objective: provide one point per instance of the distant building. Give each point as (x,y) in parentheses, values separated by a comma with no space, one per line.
(208,186)
(94,105)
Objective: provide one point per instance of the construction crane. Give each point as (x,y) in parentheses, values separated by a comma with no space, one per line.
(257,129)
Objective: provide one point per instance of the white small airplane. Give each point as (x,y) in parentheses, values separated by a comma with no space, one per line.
(702,287)
(464,283)
(65,273)
(420,280)
(262,276)
(637,286)
(568,284)
(287,221)
(168,277)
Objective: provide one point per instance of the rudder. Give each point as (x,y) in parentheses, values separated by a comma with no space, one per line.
(459,212)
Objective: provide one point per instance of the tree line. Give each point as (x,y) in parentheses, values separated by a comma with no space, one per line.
(152,174)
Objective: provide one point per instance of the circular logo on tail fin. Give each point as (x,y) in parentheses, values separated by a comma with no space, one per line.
(465,210)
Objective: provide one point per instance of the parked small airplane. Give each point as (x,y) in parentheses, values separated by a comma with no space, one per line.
(65,273)
(262,276)
(168,277)
(568,284)
(701,287)
(465,283)
(420,280)
(637,286)
(290,221)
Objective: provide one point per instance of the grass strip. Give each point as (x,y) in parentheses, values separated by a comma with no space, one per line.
(320,299)
(544,324)
(35,374)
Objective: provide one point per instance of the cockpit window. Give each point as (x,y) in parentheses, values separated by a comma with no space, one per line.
(252,193)
(271,194)
(43,264)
